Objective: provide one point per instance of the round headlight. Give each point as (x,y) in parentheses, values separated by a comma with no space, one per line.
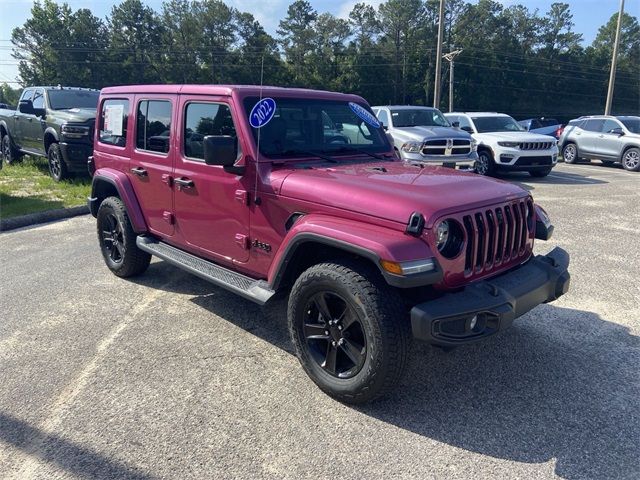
(449,238)
(442,235)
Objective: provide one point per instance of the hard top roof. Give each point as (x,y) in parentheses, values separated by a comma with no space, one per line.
(404,107)
(227,90)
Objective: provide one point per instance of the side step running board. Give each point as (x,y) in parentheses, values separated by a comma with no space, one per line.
(255,290)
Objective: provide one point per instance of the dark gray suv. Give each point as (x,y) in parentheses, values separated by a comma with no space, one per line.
(605,138)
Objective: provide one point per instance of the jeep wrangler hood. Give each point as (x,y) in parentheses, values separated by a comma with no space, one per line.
(394,190)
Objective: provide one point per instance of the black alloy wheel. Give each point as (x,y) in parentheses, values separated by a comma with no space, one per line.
(334,335)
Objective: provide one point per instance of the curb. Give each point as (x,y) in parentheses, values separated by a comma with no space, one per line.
(41,217)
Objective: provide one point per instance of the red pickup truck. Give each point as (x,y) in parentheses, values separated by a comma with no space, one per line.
(296,194)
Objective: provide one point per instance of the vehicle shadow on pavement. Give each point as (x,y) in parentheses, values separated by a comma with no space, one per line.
(65,455)
(561,385)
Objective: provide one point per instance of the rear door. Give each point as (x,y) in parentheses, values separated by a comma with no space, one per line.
(151,165)
(211,205)
(610,144)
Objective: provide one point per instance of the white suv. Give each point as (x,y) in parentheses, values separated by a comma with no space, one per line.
(504,145)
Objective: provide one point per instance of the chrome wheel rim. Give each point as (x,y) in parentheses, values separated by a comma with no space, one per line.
(6,152)
(569,153)
(631,159)
(482,165)
(54,163)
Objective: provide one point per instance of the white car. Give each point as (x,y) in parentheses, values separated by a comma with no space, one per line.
(504,145)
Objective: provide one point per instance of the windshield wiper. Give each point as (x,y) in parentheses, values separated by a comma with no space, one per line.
(311,153)
(356,150)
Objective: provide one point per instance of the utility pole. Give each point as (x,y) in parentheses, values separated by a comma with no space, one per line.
(614,61)
(436,90)
(449,57)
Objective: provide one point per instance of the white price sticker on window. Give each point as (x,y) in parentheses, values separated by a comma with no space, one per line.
(113,116)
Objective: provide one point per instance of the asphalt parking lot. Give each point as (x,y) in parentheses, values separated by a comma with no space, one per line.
(166,376)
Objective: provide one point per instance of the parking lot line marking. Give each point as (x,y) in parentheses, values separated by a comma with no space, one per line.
(602,169)
(571,179)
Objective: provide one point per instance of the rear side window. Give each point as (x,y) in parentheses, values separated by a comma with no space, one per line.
(153,125)
(202,119)
(594,125)
(114,115)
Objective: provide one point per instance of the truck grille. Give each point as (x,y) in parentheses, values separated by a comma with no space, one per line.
(535,145)
(497,235)
(446,146)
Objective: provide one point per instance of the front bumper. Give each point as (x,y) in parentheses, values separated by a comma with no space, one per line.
(486,307)
(75,155)
(467,160)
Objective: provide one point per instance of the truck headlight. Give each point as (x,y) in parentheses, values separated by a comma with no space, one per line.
(509,144)
(75,131)
(474,146)
(412,147)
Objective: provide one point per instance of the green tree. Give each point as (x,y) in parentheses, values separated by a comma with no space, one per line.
(297,37)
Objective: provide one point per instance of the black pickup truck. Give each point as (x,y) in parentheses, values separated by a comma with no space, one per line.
(52,122)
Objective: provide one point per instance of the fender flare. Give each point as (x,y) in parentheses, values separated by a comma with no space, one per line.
(371,242)
(50,131)
(122,185)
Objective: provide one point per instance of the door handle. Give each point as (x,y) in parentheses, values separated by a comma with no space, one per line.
(183,183)
(139,171)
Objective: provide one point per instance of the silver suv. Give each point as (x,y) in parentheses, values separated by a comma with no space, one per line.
(608,139)
(424,135)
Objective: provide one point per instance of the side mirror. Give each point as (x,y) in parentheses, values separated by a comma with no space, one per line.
(339,127)
(467,129)
(455,124)
(222,150)
(25,106)
(617,131)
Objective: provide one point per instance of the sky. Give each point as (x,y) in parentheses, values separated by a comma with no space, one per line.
(588,16)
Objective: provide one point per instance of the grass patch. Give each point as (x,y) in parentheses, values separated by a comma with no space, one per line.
(26,187)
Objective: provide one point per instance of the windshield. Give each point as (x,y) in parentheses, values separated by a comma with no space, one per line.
(66,99)
(632,124)
(418,117)
(496,124)
(301,126)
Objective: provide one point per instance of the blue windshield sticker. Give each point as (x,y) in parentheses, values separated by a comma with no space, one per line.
(262,112)
(364,114)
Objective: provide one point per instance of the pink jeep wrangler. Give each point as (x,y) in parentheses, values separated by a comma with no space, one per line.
(297,195)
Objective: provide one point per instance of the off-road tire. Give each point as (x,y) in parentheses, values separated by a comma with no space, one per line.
(570,153)
(10,154)
(631,160)
(113,222)
(485,164)
(381,313)
(540,173)
(57,167)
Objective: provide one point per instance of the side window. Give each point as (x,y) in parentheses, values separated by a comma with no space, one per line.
(383,116)
(609,125)
(594,125)
(465,124)
(202,119)
(114,115)
(27,94)
(38,99)
(153,125)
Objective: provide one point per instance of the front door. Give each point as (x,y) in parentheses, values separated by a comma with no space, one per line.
(211,205)
(151,165)
(610,144)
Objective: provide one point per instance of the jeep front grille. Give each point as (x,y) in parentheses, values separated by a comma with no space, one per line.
(496,235)
(535,145)
(446,147)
